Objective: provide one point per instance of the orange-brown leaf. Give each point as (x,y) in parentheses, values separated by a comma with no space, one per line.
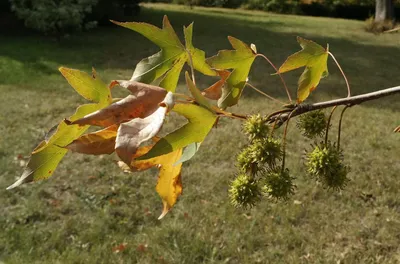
(143,102)
(214,92)
(96,143)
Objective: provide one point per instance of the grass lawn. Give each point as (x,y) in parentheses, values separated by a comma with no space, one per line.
(89,207)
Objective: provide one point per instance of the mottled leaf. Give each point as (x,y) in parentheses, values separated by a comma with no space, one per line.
(96,143)
(131,134)
(144,101)
(314,57)
(240,60)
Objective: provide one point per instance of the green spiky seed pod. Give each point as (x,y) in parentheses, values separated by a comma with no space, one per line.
(244,191)
(325,163)
(278,184)
(261,152)
(246,163)
(266,151)
(312,124)
(256,127)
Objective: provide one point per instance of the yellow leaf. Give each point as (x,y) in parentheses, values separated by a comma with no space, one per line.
(169,185)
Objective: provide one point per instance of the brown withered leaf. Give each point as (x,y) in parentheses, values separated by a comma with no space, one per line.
(169,184)
(397,129)
(141,103)
(131,134)
(214,92)
(96,143)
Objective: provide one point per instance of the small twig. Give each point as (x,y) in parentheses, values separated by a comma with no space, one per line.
(344,75)
(328,124)
(340,126)
(266,95)
(273,126)
(280,75)
(353,100)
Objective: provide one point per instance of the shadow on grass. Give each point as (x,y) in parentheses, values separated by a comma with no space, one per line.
(112,48)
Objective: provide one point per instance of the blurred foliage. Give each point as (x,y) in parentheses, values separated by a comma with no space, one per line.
(60,17)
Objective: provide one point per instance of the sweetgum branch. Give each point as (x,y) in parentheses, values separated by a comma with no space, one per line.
(283,115)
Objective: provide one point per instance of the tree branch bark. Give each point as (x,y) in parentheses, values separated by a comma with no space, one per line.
(348,101)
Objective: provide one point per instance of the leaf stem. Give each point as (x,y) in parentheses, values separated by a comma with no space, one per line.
(266,95)
(284,140)
(344,75)
(328,124)
(277,71)
(191,66)
(340,126)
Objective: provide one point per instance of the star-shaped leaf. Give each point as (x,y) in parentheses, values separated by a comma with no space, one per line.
(314,57)
(200,123)
(168,62)
(240,60)
(169,184)
(48,154)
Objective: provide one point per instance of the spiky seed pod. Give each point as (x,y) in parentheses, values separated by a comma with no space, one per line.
(246,163)
(256,127)
(312,124)
(244,191)
(325,163)
(266,151)
(261,152)
(278,184)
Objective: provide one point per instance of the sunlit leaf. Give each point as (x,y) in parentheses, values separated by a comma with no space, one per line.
(200,123)
(168,62)
(240,60)
(169,184)
(314,57)
(197,93)
(214,92)
(198,56)
(397,129)
(90,87)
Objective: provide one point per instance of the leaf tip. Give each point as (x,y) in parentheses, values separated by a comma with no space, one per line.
(165,211)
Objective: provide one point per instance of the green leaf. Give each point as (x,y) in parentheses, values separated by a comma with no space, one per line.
(240,60)
(90,87)
(200,123)
(48,154)
(314,57)
(197,93)
(198,56)
(188,153)
(153,67)
(168,62)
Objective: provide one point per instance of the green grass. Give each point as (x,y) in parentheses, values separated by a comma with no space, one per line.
(89,206)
